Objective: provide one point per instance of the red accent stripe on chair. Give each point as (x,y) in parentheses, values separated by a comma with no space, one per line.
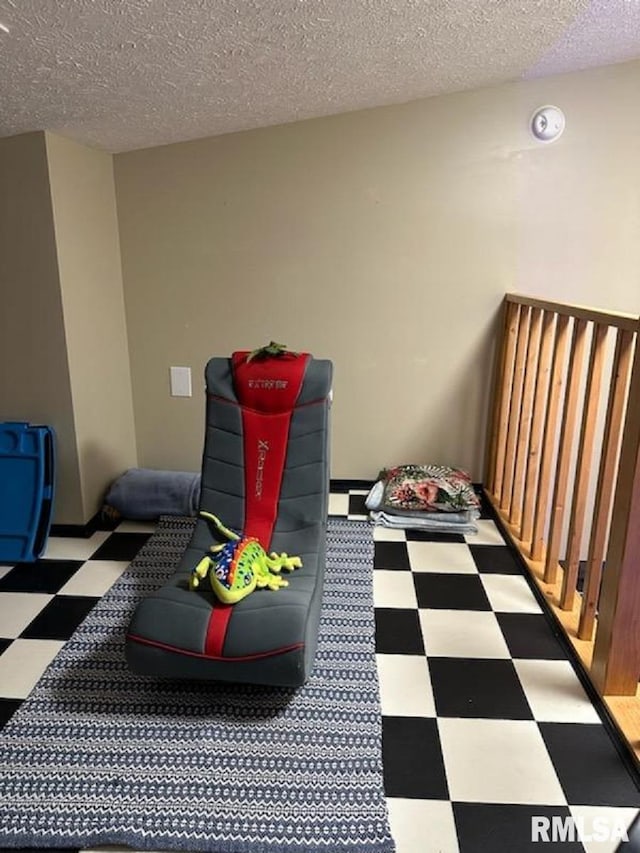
(257,656)
(265,451)
(217,629)
(220,399)
(267,391)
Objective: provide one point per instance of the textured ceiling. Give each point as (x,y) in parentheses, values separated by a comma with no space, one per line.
(124,74)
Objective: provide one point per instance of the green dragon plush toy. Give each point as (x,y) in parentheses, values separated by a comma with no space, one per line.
(271,350)
(237,567)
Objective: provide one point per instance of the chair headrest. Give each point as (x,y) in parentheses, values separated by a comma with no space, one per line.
(270,385)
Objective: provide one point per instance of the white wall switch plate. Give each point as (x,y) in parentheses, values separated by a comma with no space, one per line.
(180,381)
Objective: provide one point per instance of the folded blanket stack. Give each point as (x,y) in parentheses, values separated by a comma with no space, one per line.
(433,498)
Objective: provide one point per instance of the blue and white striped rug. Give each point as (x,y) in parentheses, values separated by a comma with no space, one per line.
(97,755)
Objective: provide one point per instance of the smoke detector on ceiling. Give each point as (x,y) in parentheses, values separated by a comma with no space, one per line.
(547,123)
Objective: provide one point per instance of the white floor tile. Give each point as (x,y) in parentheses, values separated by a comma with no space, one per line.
(70,548)
(554,692)
(462,634)
(498,761)
(136,527)
(23,663)
(394,589)
(488,534)
(94,578)
(422,826)
(4,570)
(338,504)
(509,594)
(451,557)
(388,534)
(405,686)
(604,827)
(18,610)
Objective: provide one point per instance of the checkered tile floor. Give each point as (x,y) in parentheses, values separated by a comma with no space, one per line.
(485,723)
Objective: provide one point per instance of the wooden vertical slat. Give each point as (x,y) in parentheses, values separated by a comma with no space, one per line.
(513,322)
(583,465)
(556,384)
(498,394)
(567,434)
(543,374)
(526,410)
(514,410)
(616,655)
(606,479)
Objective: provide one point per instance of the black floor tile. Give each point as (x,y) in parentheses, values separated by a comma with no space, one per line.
(450,592)
(7,709)
(60,618)
(529,635)
(356,505)
(588,765)
(495,559)
(121,546)
(492,828)
(398,632)
(633,845)
(341,487)
(486,510)
(423,536)
(391,555)
(4,643)
(42,576)
(487,689)
(412,759)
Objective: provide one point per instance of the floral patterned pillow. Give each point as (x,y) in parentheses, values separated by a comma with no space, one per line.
(431,488)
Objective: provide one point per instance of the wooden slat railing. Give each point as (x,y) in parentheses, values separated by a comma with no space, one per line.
(563,472)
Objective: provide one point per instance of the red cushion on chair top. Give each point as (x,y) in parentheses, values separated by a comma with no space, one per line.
(268,385)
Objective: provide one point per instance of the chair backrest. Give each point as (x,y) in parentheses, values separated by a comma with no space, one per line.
(265,465)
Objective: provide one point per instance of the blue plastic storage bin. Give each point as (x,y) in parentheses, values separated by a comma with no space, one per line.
(26,490)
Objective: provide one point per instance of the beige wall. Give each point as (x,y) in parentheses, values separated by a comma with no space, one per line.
(86,229)
(63,347)
(384,240)
(34,375)
(577,202)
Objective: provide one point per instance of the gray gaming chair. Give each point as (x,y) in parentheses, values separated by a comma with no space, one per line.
(265,472)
